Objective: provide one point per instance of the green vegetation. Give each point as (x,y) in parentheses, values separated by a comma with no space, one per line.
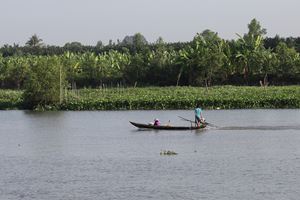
(10,99)
(49,75)
(45,82)
(167,153)
(226,97)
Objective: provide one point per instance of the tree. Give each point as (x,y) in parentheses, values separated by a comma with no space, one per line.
(17,68)
(136,70)
(288,61)
(44,82)
(99,44)
(34,41)
(228,68)
(212,55)
(70,61)
(254,30)
(202,58)
(74,47)
(160,61)
(160,41)
(271,43)
(136,43)
(249,47)
(139,40)
(136,39)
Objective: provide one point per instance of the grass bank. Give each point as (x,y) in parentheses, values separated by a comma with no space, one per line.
(221,97)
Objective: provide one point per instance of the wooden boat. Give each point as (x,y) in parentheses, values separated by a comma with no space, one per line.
(166,127)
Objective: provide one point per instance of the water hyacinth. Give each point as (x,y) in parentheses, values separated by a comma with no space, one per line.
(167,153)
(10,99)
(159,98)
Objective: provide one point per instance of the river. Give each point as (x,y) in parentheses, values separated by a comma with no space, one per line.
(246,154)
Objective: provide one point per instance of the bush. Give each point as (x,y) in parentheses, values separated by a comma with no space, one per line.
(44,83)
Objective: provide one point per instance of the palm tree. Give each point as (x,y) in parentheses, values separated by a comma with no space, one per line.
(34,41)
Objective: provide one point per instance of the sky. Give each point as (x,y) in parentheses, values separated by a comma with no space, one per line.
(89,21)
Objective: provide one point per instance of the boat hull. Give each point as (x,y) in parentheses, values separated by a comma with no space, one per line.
(164,127)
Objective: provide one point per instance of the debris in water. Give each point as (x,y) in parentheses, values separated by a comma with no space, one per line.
(168,152)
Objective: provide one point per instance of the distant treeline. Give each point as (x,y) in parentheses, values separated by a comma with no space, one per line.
(207,60)
(78,48)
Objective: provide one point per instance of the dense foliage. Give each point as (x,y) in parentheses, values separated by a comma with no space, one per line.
(44,83)
(207,60)
(11,99)
(225,97)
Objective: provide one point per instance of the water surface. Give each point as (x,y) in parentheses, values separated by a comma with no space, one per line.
(248,154)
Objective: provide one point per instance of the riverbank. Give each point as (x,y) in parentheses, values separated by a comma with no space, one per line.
(159,98)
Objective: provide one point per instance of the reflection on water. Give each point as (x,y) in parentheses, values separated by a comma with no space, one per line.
(100,155)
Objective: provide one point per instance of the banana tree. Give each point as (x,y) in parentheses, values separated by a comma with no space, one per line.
(228,67)
(71,64)
(213,55)
(183,59)
(203,58)
(268,65)
(247,53)
(160,63)
(111,65)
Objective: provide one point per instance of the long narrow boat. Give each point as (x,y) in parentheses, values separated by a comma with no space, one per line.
(167,127)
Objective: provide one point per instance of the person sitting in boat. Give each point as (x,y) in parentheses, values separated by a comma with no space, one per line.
(198,116)
(156,122)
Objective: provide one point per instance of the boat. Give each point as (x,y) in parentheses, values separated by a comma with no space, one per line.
(167,127)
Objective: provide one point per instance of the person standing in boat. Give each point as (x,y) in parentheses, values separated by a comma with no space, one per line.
(198,116)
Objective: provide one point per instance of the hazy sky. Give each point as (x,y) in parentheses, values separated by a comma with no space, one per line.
(88,21)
